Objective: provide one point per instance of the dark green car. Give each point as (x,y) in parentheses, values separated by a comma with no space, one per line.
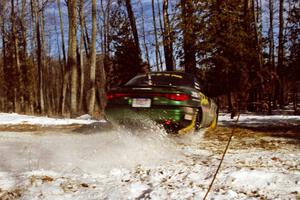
(173,99)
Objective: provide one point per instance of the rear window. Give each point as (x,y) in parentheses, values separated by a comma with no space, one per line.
(164,79)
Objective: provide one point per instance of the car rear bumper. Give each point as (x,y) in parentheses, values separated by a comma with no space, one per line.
(174,119)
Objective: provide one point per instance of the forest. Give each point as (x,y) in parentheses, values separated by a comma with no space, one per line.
(59,57)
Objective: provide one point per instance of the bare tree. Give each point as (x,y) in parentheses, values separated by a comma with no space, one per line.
(16,56)
(81,50)
(155,35)
(3,98)
(105,12)
(167,38)
(65,79)
(71,63)
(257,33)
(93,63)
(36,14)
(144,32)
(161,31)
(62,32)
(271,35)
(281,54)
(133,25)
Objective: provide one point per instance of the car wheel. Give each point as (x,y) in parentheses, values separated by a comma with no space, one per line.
(198,119)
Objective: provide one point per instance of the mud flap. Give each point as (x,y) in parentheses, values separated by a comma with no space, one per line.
(190,127)
(214,124)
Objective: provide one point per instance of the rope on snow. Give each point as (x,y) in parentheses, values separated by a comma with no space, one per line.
(223,156)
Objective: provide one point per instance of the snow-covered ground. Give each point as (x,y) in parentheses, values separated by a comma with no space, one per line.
(13,118)
(149,164)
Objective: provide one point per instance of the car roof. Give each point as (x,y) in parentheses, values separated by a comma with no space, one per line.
(184,74)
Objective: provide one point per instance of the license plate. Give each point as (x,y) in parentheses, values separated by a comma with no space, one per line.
(141,103)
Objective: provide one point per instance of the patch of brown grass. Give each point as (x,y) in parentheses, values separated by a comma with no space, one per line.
(244,138)
(11,194)
(37,128)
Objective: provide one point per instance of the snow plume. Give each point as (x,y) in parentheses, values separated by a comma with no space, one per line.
(90,153)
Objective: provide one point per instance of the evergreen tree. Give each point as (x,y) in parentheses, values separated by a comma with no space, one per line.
(294,38)
(126,61)
(187,25)
(229,51)
(294,51)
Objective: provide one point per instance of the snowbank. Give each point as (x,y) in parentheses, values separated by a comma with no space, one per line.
(13,118)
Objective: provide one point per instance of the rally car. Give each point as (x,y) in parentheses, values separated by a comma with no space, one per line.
(172,99)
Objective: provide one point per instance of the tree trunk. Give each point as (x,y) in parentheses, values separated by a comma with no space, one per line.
(161,31)
(133,25)
(106,27)
(188,23)
(24,30)
(62,33)
(3,97)
(16,57)
(271,59)
(65,80)
(92,112)
(33,54)
(87,40)
(101,85)
(81,49)
(15,37)
(44,70)
(281,55)
(259,44)
(39,56)
(72,12)
(155,35)
(167,38)
(271,35)
(24,108)
(144,33)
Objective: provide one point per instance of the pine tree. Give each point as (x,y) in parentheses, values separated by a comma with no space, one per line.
(294,51)
(127,61)
(188,22)
(167,37)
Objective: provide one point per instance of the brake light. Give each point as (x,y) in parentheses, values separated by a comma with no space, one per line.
(168,122)
(110,96)
(177,97)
